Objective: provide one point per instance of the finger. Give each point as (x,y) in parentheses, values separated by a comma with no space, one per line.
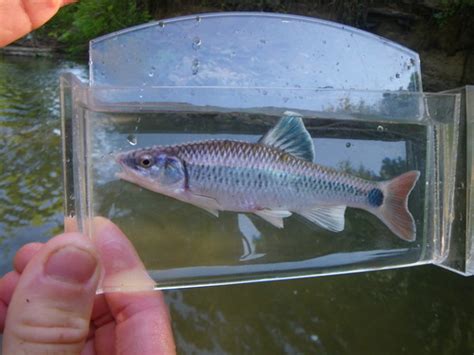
(123,269)
(70,224)
(24,255)
(105,340)
(143,324)
(51,307)
(7,286)
(18,17)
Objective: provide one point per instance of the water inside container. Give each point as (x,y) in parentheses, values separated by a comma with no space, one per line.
(183,244)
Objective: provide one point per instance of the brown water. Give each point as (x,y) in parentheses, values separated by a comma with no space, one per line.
(422,310)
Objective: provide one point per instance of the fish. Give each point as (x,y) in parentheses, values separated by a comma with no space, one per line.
(273,178)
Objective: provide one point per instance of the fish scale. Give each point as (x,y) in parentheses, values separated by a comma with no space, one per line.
(268,174)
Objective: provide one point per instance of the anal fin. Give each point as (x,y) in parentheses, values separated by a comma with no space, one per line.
(328,217)
(274,217)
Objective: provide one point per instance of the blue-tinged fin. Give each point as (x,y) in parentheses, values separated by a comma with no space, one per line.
(290,136)
(328,217)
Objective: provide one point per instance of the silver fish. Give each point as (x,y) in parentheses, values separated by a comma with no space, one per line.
(272,178)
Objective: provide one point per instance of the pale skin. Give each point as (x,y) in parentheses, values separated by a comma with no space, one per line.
(48,303)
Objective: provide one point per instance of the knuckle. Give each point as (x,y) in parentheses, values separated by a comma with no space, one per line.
(55,327)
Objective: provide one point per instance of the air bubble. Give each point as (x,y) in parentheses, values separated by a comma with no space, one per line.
(397,76)
(132,139)
(161,24)
(196,43)
(263,41)
(198,19)
(380,129)
(348,145)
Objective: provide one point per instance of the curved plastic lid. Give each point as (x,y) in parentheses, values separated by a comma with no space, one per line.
(252,50)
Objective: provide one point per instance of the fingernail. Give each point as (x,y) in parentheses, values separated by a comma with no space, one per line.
(71,264)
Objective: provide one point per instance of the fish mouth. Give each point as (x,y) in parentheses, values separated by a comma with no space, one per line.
(124,173)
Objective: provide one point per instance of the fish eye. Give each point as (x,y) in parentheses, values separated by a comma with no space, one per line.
(146,160)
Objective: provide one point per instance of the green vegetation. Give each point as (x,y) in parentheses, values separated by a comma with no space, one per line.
(76,25)
(458,9)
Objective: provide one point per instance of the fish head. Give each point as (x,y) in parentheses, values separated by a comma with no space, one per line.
(155,169)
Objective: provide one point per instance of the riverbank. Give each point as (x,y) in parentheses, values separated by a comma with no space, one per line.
(27,51)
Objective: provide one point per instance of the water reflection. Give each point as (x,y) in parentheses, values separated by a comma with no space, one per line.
(30,168)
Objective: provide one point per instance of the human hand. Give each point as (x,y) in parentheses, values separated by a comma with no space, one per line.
(18,17)
(48,304)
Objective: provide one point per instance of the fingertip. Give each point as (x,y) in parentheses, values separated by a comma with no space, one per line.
(24,255)
(70,224)
(52,301)
(123,267)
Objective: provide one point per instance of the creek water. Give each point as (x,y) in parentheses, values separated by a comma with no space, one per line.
(421,310)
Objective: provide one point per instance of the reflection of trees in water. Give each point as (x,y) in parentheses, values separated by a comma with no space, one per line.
(390,168)
(406,308)
(30,168)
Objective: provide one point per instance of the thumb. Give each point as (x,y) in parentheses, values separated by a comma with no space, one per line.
(51,307)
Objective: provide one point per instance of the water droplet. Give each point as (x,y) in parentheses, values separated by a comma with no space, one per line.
(161,24)
(132,139)
(195,66)
(263,41)
(56,131)
(380,129)
(264,92)
(397,76)
(348,145)
(151,74)
(324,42)
(196,43)
(198,19)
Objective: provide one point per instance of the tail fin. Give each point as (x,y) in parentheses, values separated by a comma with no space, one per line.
(394,210)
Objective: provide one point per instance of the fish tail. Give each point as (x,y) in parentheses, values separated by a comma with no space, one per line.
(393,211)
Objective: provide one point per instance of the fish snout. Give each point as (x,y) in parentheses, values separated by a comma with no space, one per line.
(121,158)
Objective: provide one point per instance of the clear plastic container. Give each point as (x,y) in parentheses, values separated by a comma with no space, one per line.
(232,77)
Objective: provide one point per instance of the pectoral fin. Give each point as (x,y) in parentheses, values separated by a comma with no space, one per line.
(274,217)
(206,203)
(330,218)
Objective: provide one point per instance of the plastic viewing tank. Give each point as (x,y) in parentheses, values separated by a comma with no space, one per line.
(232,77)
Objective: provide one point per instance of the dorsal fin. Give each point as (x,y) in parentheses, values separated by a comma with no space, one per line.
(290,136)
